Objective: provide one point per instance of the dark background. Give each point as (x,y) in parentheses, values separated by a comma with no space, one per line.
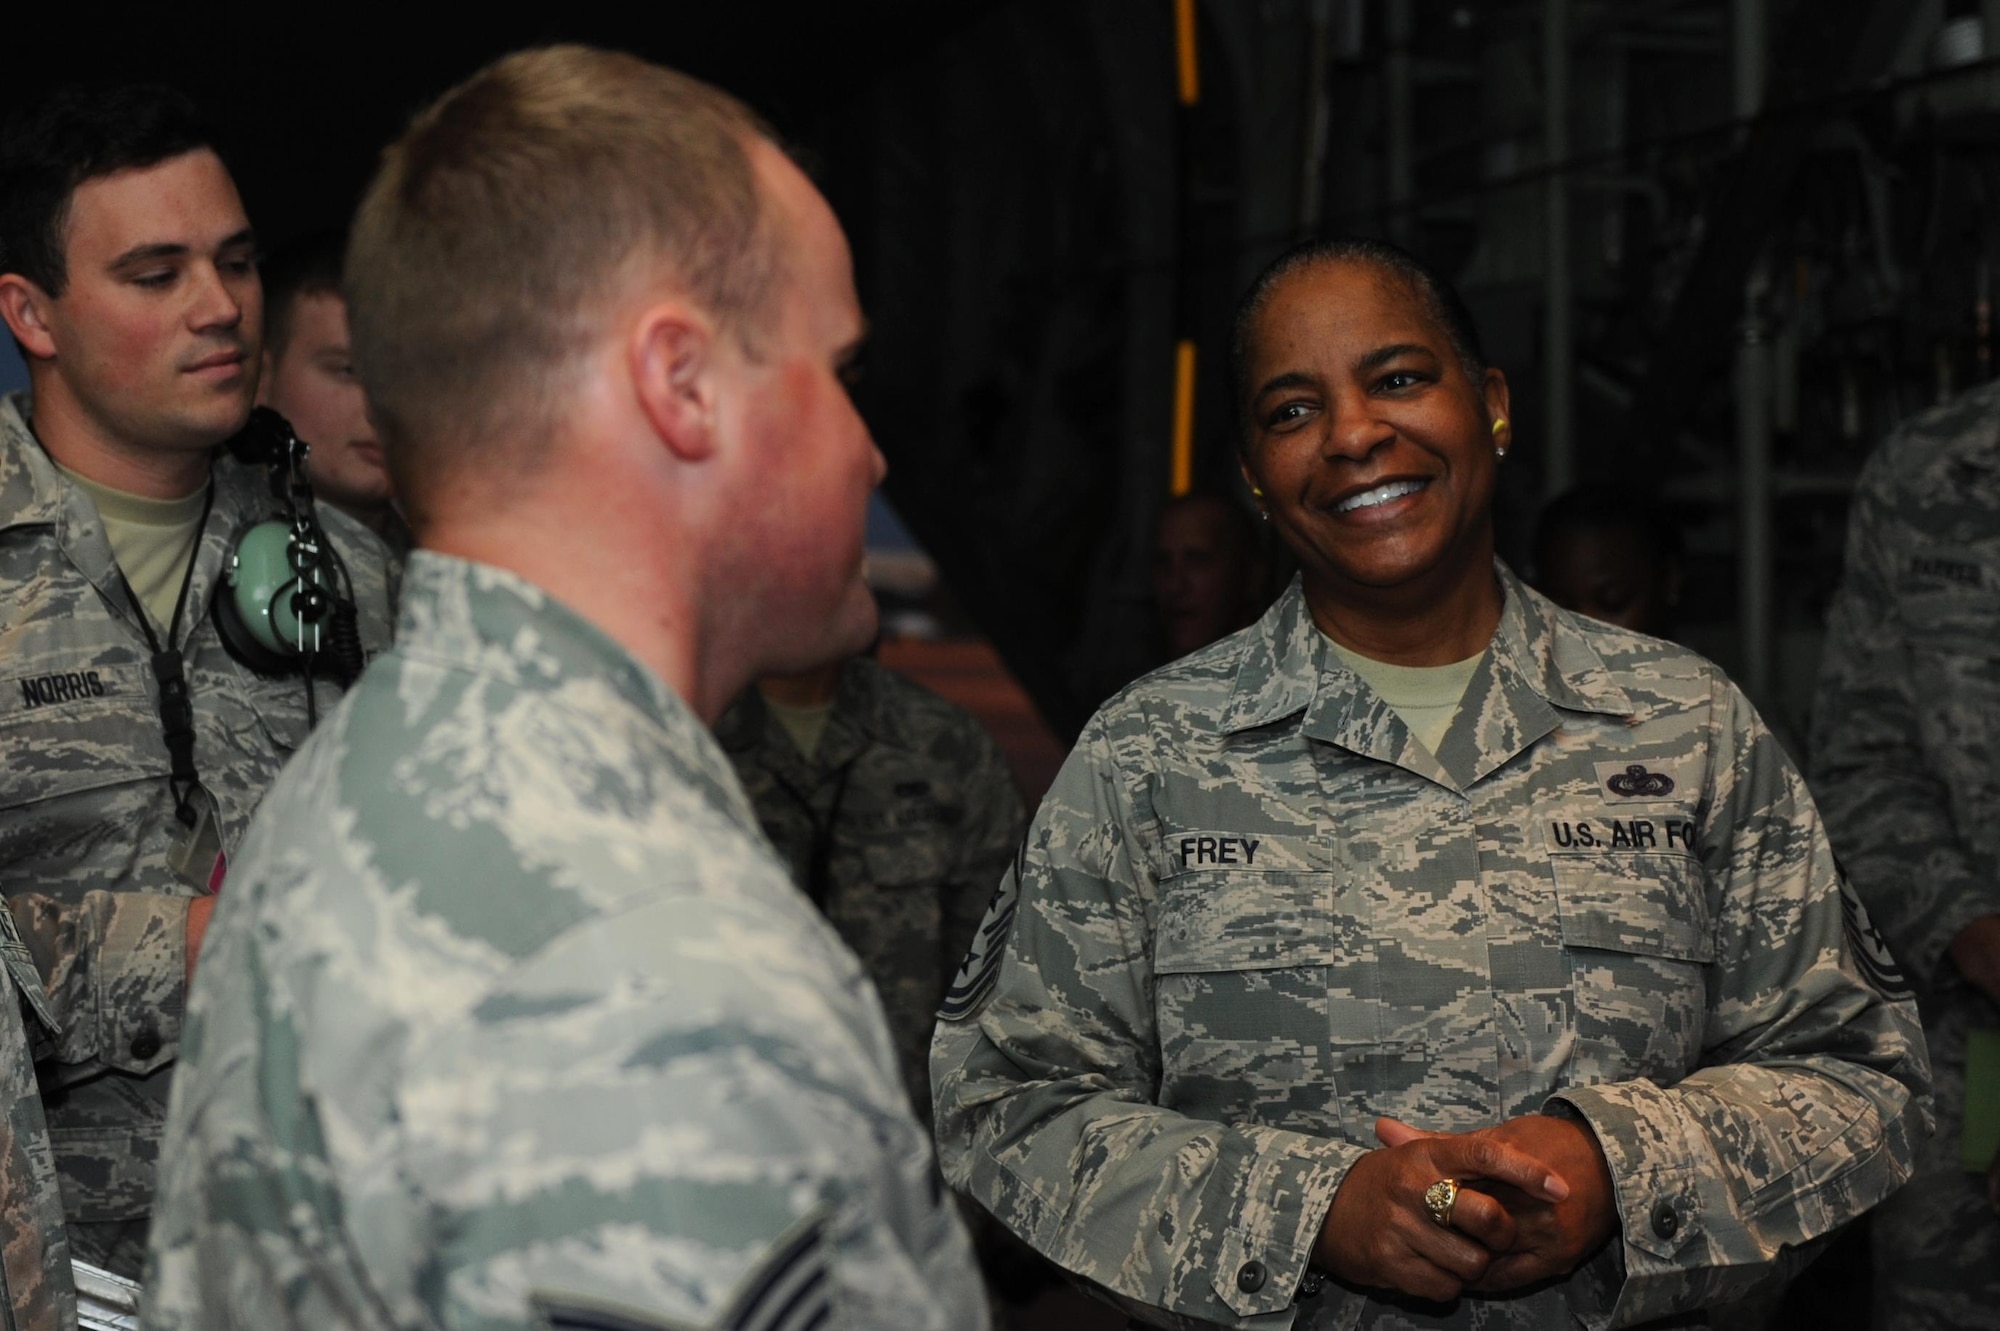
(1036,219)
(308,95)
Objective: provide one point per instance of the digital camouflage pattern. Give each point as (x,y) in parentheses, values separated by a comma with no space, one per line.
(513,1018)
(1253,914)
(899,825)
(88,837)
(1906,763)
(36,1291)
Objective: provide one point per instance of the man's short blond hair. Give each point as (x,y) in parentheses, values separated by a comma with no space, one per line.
(505,223)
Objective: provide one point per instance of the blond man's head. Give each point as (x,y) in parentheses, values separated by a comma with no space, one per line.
(504,227)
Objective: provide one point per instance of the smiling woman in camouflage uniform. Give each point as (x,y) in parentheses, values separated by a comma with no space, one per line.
(1419,879)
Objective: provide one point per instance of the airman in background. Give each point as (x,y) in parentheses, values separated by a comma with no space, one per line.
(309,379)
(1906,766)
(1209,571)
(897,815)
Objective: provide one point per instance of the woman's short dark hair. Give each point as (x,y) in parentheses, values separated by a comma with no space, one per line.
(77,134)
(1438,295)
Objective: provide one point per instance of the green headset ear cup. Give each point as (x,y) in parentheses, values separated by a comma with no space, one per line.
(254,609)
(259,570)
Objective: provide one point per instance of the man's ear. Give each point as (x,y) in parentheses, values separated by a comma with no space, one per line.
(675,373)
(25,307)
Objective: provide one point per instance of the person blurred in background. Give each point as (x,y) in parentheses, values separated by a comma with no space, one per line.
(897,815)
(1601,553)
(309,379)
(1906,765)
(1209,571)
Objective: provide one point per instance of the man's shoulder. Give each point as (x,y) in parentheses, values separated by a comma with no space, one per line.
(356,540)
(1921,461)
(1630,660)
(514,812)
(29,483)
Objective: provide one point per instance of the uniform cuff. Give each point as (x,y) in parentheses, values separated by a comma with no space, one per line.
(1283,1193)
(141,974)
(1646,1137)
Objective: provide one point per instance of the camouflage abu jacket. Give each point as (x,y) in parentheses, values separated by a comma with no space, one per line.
(899,827)
(1906,763)
(1906,735)
(1253,914)
(510,1017)
(36,1290)
(87,828)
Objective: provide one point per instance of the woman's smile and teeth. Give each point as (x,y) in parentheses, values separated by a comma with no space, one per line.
(1375,501)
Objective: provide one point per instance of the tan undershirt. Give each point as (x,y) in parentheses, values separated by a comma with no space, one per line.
(804,724)
(1426,697)
(152,540)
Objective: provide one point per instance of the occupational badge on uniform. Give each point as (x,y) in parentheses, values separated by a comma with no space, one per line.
(981,971)
(1639,782)
(1871,951)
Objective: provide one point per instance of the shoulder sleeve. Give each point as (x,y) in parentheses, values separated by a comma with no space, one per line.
(114,969)
(1813,1086)
(1887,800)
(686,1108)
(1045,1084)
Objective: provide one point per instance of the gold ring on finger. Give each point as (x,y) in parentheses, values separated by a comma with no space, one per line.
(1439,1198)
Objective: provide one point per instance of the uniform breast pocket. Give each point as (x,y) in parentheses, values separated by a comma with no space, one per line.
(280,708)
(77,769)
(1240,960)
(1637,932)
(1953,620)
(1956,664)
(906,859)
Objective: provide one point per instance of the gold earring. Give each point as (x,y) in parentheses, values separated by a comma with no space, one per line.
(1499,424)
(1256,493)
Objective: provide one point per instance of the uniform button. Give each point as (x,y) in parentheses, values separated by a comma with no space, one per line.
(1250,1277)
(145,1044)
(1665,1220)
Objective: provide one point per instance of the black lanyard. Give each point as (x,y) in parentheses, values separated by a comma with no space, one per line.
(818,884)
(176,703)
(819,869)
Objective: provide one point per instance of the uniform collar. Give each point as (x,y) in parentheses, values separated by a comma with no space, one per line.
(1538,665)
(33,492)
(490,622)
(749,726)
